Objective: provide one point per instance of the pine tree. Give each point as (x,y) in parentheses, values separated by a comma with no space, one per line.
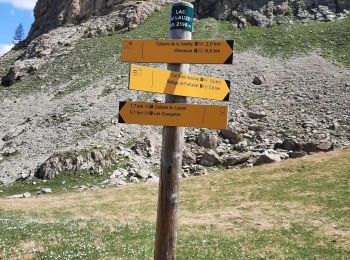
(19,34)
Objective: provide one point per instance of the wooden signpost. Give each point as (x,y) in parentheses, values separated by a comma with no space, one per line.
(177,83)
(179,51)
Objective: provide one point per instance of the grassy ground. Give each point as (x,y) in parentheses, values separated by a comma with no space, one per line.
(94,59)
(298,209)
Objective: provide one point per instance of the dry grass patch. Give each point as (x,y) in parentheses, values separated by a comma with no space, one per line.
(258,214)
(30,247)
(108,203)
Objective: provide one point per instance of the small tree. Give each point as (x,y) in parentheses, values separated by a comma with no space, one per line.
(19,34)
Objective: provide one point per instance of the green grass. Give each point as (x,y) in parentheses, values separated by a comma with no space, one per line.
(75,239)
(80,239)
(297,209)
(330,40)
(325,190)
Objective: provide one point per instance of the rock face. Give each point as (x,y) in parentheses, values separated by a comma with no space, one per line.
(124,14)
(51,30)
(94,161)
(262,13)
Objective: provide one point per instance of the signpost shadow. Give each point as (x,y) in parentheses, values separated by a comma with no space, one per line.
(174,79)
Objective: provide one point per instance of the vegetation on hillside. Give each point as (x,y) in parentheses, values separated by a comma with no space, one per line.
(94,59)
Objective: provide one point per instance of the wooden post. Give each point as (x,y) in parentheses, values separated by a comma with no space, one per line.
(172,149)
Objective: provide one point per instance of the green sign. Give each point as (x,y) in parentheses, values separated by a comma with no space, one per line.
(181,18)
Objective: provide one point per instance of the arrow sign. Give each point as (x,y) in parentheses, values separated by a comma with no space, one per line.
(178,51)
(173,114)
(177,83)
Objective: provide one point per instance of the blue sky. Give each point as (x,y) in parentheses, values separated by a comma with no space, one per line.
(12,13)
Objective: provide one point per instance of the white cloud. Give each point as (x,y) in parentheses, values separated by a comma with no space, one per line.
(21,4)
(4,48)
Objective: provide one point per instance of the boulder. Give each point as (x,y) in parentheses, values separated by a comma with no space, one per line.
(230,160)
(18,70)
(325,146)
(231,134)
(198,170)
(15,73)
(116,182)
(188,157)
(290,145)
(44,191)
(9,151)
(134,179)
(257,115)
(268,156)
(317,146)
(296,154)
(145,147)
(240,146)
(259,80)
(210,158)
(255,127)
(139,172)
(208,140)
(93,160)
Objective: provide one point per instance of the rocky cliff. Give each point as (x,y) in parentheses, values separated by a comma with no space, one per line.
(50,14)
(124,14)
(263,12)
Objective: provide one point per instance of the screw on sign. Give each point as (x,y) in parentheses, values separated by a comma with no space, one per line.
(178,51)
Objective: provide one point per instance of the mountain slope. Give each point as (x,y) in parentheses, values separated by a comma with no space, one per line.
(71,101)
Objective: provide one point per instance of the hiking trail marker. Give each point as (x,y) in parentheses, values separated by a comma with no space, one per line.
(172,114)
(177,83)
(178,51)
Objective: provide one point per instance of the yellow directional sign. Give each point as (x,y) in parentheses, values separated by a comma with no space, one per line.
(173,114)
(178,51)
(177,83)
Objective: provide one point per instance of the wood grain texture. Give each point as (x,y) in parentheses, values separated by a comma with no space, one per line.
(171,163)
